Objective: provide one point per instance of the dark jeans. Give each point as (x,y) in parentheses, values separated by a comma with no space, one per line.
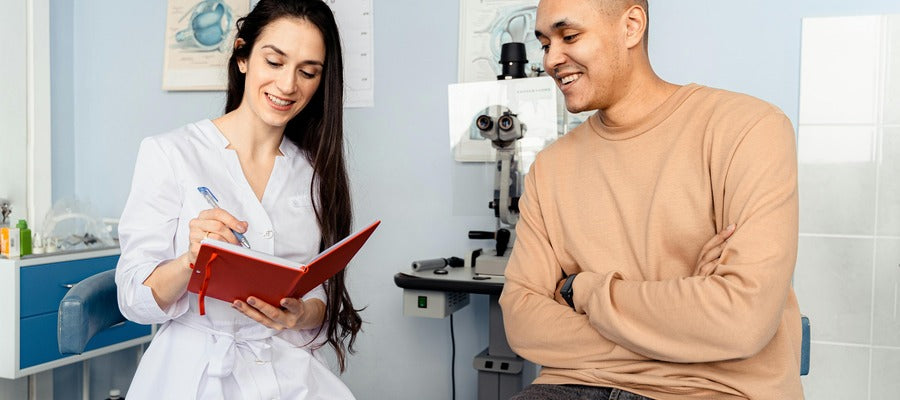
(574,392)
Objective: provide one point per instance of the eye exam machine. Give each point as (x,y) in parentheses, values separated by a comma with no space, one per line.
(503,128)
(436,288)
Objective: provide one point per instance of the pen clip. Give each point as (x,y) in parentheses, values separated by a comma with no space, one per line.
(206,192)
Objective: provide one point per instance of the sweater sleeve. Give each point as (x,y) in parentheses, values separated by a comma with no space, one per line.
(537,327)
(735,312)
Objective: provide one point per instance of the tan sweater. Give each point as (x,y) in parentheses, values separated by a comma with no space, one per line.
(629,208)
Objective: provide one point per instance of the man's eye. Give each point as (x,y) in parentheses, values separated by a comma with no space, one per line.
(570,38)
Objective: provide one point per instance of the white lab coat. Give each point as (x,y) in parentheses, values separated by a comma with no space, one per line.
(223,354)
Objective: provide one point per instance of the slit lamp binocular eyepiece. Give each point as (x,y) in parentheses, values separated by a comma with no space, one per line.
(506,130)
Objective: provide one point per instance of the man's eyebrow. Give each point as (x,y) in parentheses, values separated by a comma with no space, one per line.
(561,24)
(282,53)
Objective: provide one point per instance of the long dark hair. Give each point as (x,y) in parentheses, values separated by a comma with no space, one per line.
(318,131)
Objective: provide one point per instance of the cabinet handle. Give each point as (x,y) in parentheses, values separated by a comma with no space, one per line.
(68,285)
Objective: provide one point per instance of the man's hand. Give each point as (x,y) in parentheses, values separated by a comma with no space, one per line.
(557,296)
(708,259)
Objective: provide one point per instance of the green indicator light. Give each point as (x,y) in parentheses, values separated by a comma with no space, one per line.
(423,302)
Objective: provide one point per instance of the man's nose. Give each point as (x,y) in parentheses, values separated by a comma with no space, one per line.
(553,58)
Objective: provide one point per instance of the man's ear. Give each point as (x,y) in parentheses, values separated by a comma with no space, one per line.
(635,18)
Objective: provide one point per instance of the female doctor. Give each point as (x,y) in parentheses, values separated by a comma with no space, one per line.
(275,162)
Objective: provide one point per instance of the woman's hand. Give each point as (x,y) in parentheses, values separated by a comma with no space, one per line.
(169,280)
(709,256)
(215,224)
(293,313)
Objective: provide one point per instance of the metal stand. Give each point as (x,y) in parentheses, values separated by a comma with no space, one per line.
(40,386)
(501,373)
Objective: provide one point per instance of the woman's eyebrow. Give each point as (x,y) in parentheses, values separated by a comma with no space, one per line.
(282,53)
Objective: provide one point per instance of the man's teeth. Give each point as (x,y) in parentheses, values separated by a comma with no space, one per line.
(278,101)
(569,78)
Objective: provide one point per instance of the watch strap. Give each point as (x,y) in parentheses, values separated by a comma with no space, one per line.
(566,291)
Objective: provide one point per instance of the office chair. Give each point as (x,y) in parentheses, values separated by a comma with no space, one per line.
(804,346)
(88,308)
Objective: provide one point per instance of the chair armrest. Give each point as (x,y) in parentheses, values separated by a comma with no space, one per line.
(804,347)
(89,307)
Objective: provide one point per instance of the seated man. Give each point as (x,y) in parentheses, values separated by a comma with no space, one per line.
(604,288)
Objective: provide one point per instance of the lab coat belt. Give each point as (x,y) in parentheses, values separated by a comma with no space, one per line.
(221,362)
(223,353)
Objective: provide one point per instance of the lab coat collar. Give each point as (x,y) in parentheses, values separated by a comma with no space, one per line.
(212,132)
(288,148)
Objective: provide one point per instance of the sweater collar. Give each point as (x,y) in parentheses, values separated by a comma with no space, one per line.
(646,123)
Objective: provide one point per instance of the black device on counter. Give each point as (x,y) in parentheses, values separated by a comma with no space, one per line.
(502,236)
(436,263)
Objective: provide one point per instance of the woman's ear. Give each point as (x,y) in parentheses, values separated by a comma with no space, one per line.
(241,62)
(242,65)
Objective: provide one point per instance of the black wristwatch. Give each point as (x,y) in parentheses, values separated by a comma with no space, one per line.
(566,291)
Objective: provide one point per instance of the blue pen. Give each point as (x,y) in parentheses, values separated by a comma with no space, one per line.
(213,201)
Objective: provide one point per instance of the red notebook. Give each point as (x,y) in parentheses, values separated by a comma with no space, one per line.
(228,272)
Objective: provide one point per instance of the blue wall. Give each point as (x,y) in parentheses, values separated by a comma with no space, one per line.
(107,71)
(745,46)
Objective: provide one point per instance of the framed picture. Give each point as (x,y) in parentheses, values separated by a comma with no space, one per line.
(483,28)
(199,38)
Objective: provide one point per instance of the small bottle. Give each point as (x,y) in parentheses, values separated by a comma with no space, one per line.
(51,244)
(4,240)
(14,247)
(24,238)
(115,394)
(5,210)
(37,243)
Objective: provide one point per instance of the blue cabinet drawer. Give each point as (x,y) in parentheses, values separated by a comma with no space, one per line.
(38,345)
(42,287)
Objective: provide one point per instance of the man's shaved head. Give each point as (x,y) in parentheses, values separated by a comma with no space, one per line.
(617,7)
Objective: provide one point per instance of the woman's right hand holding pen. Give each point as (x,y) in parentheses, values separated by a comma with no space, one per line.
(169,280)
(214,223)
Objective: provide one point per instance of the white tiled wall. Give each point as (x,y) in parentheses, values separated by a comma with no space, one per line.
(837,372)
(848,267)
(833,281)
